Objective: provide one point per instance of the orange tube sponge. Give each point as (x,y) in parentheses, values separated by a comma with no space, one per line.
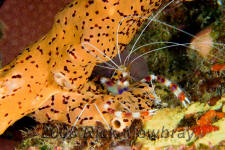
(59,62)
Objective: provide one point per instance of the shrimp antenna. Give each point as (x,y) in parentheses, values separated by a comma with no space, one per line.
(117,41)
(150,22)
(157,49)
(120,23)
(106,67)
(166,24)
(77,120)
(102,116)
(83,44)
(193,36)
(174,44)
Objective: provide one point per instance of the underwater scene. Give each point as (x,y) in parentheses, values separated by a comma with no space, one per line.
(112,75)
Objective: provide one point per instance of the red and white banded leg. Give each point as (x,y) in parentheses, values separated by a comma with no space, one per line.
(134,115)
(123,120)
(172,86)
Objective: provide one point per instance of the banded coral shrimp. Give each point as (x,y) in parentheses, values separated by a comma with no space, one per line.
(111,87)
(100,107)
(71,27)
(68,115)
(191,65)
(119,82)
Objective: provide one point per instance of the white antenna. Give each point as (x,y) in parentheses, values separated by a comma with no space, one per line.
(150,22)
(102,116)
(83,44)
(77,119)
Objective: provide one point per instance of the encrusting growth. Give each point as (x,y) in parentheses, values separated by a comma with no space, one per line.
(59,62)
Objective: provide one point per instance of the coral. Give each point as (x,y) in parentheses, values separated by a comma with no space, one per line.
(218,67)
(169,129)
